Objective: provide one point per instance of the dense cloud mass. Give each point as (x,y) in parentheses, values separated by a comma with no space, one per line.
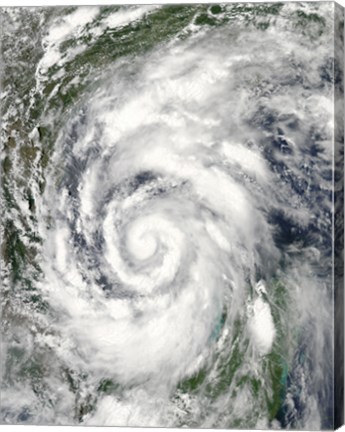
(185,218)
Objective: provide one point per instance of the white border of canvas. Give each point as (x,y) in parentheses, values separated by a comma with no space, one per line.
(25,428)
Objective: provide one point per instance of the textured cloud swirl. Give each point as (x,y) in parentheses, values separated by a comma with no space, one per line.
(186,222)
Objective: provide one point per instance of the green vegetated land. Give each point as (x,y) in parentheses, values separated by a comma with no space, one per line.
(27,109)
(235,372)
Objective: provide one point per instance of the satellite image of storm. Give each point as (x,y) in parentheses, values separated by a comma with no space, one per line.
(168,177)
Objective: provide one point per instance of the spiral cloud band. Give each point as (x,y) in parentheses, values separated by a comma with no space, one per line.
(185,220)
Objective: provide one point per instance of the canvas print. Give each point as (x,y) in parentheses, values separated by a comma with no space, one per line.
(172,215)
